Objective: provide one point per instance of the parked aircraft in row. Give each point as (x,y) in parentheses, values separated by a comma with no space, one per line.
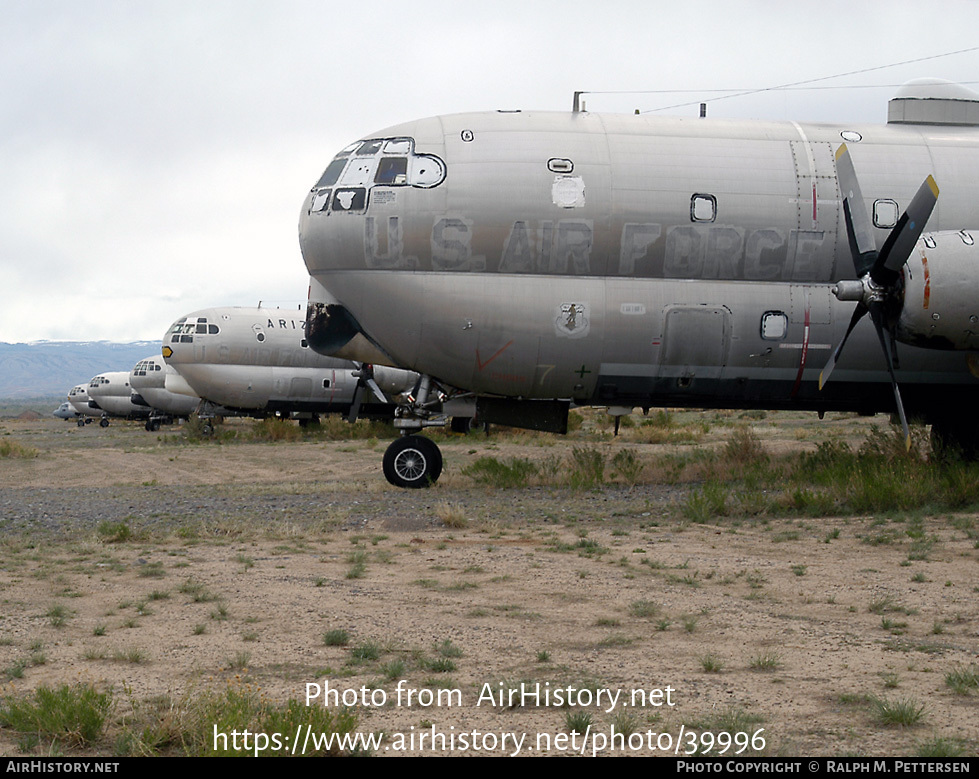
(524,261)
(65,411)
(257,361)
(80,403)
(149,378)
(240,361)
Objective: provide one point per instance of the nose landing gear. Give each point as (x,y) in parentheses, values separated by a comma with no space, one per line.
(414,461)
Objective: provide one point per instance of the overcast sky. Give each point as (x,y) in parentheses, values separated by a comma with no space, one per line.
(154,156)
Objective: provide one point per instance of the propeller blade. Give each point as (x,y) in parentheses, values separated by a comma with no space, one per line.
(355,406)
(858,313)
(376,390)
(900,243)
(365,380)
(859,230)
(877,314)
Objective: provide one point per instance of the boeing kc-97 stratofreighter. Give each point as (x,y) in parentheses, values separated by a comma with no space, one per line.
(256,361)
(112,396)
(525,261)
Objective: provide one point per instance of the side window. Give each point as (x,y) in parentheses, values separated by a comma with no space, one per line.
(426,171)
(703,208)
(885,213)
(774,325)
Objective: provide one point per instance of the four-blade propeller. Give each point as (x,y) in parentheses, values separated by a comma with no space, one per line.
(878,272)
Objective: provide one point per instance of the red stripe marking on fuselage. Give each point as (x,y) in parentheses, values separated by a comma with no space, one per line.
(926,298)
(480,364)
(805,351)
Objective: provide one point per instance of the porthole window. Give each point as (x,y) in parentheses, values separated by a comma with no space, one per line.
(774,325)
(885,213)
(703,208)
(560,165)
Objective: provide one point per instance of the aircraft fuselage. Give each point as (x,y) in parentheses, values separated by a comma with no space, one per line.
(257,359)
(626,260)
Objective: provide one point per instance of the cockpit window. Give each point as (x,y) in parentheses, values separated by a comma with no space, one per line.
(359,172)
(183,331)
(332,173)
(392,170)
(346,151)
(397,146)
(144,366)
(346,183)
(369,148)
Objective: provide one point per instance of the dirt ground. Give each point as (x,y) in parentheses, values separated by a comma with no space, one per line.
(800,633)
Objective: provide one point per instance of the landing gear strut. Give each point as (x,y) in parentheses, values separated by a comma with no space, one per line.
(414,461)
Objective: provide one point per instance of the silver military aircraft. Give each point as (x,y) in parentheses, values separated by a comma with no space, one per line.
(66,411)
(257,361)
(522,261)
(79,401)
(148,379)
(110,395)
(85,407)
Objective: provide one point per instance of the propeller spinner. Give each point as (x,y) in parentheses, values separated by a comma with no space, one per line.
(878,273)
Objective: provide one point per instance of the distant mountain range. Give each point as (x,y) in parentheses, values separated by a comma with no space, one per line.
(51,368)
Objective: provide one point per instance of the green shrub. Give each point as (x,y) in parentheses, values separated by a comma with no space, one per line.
(73,715)
(516,472)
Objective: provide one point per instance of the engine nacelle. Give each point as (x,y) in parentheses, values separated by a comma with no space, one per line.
(941,293)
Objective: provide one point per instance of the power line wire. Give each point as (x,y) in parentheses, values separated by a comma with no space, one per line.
(795,85)
(824,78)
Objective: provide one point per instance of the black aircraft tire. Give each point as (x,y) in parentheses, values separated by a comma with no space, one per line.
(461,425)
(104,422)
(412,462)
